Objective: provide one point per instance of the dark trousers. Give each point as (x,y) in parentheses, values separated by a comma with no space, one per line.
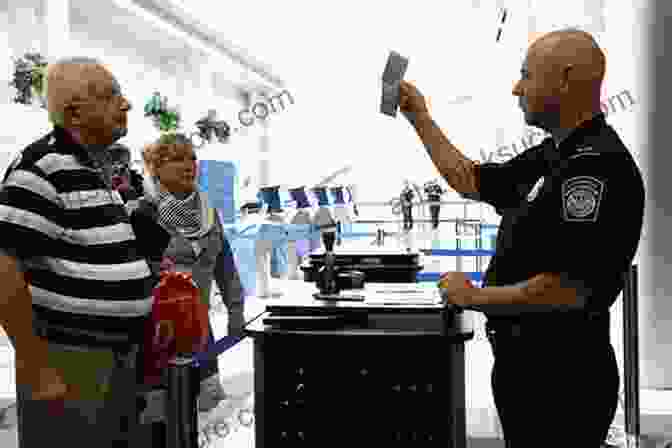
(434,211)
(209,367)
(408,217)
(555,393)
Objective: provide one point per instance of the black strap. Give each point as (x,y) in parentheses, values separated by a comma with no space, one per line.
(550,322)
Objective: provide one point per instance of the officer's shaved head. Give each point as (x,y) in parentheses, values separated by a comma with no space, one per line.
(562,79)
(573,51)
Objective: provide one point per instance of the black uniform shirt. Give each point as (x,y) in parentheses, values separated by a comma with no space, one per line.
(575,210)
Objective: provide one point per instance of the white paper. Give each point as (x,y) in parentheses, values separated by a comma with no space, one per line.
(401,294)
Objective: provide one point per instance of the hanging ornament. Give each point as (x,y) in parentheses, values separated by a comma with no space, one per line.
(209,126)
(165,119)
(30,74)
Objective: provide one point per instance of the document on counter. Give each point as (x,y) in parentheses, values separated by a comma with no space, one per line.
(402,294)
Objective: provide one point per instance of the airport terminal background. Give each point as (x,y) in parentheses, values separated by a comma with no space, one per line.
(329,58)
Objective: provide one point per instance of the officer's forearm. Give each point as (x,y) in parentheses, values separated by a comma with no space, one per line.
(457,169)
(544,292)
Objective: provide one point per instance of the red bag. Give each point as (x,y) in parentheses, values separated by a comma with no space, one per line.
(178,324)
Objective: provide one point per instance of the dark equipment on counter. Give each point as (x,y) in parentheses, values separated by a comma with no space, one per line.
(378,264)
(332,279)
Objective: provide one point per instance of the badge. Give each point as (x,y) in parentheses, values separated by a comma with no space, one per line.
(581,198)
(587,148)
(535,190)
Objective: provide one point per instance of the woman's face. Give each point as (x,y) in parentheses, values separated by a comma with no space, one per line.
(177,174)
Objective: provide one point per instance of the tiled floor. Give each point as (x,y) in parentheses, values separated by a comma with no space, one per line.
(236,367)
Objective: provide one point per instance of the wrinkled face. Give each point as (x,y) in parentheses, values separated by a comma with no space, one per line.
(177,173)
(538,92)
(101,115)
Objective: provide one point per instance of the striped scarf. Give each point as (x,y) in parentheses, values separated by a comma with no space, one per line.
(186,215)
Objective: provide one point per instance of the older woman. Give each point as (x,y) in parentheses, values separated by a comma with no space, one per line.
(202,248)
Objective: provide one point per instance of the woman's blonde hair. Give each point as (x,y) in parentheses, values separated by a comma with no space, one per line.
(166,148)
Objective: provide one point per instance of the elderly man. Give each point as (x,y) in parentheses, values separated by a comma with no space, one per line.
(558,265)
(70,251)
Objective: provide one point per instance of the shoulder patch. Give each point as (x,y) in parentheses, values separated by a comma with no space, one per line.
(581,197)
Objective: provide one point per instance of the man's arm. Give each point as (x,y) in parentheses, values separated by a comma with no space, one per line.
(16,311)
(457,169)
(225,273)
(16,317)
(544,292)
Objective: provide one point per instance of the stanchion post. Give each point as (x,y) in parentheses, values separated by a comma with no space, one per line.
(631,357)
(181,414)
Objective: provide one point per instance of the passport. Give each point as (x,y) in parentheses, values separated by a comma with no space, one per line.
(394,72)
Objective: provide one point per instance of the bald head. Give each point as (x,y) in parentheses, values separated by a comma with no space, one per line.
(562,80)
(74,79)
(84,97)
(571,52)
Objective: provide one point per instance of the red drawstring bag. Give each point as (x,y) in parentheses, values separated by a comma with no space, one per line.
(178,324)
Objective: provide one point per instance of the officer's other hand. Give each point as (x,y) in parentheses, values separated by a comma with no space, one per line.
(411,101)
(456,288)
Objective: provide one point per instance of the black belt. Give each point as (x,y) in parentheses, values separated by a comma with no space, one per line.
(549,325)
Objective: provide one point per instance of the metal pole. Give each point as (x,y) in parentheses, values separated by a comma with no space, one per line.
(429,221)
(631,357)
(181,414)
(418,203)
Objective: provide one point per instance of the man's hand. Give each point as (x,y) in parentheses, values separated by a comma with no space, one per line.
(46,383)
(456,288)
(411,101)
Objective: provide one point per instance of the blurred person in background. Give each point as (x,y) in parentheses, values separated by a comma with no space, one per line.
(77,289)
(126,181)
(202,249)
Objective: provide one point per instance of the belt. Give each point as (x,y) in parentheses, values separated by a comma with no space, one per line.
(558,325)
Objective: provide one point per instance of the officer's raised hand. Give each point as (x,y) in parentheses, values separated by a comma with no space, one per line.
(456,288)
(411,101)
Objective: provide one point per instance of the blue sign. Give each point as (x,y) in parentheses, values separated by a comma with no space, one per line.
(219,179)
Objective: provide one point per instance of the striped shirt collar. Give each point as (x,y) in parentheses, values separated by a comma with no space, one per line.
(67,144)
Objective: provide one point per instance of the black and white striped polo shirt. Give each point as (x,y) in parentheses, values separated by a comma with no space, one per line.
(89,282)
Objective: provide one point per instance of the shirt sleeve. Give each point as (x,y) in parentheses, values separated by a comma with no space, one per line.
(504,185)
(226,272)
(31,212)
(591,223)
(151,237)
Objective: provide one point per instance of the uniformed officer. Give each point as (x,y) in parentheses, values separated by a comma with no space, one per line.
(572,210)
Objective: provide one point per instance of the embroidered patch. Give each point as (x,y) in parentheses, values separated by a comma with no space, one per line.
(581,199)
(535,190)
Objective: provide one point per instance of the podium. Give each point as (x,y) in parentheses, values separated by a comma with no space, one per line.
(357,373)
